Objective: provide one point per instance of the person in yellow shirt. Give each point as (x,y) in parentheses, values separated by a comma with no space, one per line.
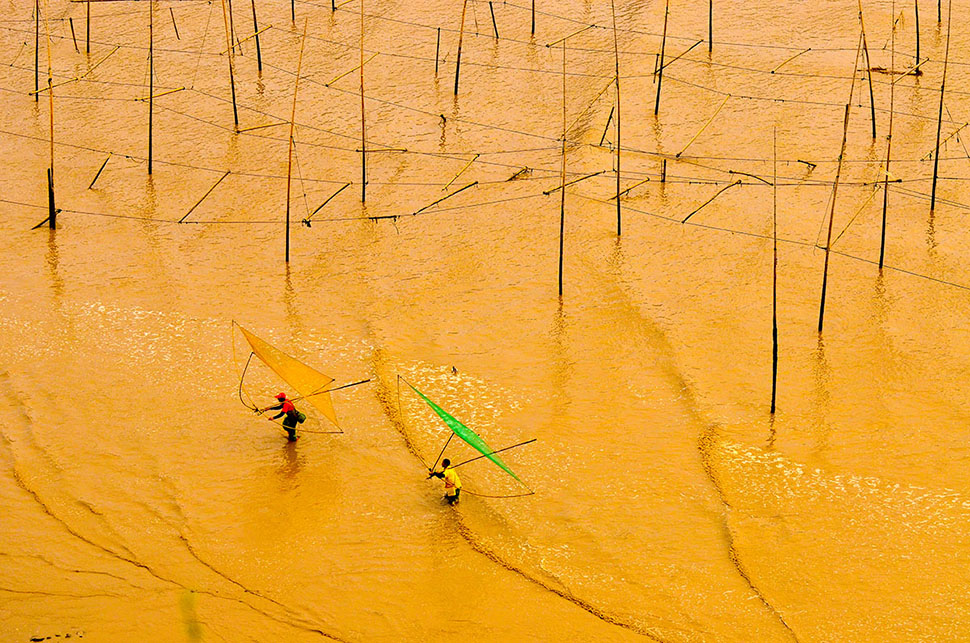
(452,481)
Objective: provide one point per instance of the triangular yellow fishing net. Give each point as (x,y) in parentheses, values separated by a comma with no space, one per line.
(310,383)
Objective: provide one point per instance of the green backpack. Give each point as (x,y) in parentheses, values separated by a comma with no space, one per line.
(300,417)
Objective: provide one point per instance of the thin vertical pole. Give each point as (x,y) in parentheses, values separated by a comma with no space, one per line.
(293,10)
(232,30)
(865,49)
(835,188)
(616,61)
(710,26)
(87,39)
(52,211)
(939,11)
(461,35)
(289,164)
(37,50)
(889,142)
(232,72)
(259,55)
(939,123)
(437,49)
(916,11)
(660,67)
(151,76)
(562,172)
(533,17)
(175,25)
(73,37)
(363,136)
(774,270)
(492,11)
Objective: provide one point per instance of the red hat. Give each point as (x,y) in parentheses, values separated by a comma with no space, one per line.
(281,396)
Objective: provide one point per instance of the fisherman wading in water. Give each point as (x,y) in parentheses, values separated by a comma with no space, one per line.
(286,408)
(452,481)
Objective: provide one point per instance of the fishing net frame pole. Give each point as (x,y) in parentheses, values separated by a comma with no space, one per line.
(490,452)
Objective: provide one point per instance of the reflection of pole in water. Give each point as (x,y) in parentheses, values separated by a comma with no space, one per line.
(939,123)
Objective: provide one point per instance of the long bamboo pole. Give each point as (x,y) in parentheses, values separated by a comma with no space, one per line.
(461,36)
(835,189)
(774,269)
(710,26)
(865,49)
(916,11)
(151,77)
(259,54)
(616,63)
(289,164)
(533,17)
(889,141)
(52,209)
(36,50)
(562,172)
(660,67)
(939,123)
(363,131)
(232,71)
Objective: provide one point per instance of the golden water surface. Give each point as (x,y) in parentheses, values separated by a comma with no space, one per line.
(141,501)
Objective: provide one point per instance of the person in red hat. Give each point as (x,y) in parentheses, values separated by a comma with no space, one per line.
(286,408)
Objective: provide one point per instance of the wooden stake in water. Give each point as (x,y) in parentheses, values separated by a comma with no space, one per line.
(660,66)
(461,35)
(562,171)
(533,17)
(232,72)
(289,164)
(774,270)
(916,11)
(52,210)
(36,50)
(232,30)
(73,37)
(492,11)
(865,49)
(835,187)
(939,123)
(363,131)
(293,10)
(151,76)
(437,49)
(87,38)
(174,24)
(710,26)
(259,55)
(889,142)
(616,63)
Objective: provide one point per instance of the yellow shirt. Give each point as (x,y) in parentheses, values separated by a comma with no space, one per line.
(452,481)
